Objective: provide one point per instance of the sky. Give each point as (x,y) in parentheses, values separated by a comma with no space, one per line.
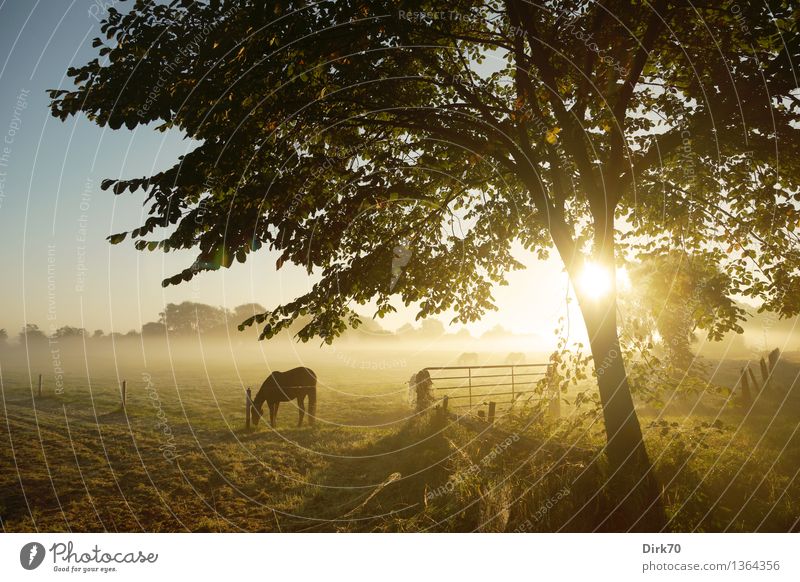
(54,218)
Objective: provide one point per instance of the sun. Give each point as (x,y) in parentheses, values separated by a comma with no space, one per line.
(595,281)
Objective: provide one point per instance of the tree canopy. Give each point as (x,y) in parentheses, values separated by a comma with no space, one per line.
(331,132)
(675,296)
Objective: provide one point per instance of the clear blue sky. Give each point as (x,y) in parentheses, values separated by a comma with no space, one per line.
(54,218)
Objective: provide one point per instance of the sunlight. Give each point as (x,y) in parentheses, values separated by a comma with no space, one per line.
(595,280)
(623,279)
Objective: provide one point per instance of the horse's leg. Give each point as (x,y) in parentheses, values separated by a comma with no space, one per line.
(312,406)
(273,411)
(276,413)
(301,409)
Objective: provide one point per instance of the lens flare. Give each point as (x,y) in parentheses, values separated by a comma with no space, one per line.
(595,281)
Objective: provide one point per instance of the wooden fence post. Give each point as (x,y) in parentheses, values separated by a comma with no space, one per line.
(774,355)
(40,386)
(248,408)
(756,386)
(747,398)
(772,363)
(764,371)
(490,418)
(124,392)
(512,384)
(444,403)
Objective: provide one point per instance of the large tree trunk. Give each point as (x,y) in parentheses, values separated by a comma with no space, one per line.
(632,486)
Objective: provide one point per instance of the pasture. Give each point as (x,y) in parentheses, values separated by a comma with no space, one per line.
(177,457)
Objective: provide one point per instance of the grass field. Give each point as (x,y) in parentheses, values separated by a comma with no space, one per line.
(178,458)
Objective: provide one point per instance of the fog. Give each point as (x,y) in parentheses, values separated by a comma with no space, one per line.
(239,358)
(368,353)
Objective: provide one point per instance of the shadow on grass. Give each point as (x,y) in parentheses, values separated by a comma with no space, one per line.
(378,484)
(431,476)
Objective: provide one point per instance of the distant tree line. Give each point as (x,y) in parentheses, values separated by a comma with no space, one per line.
(190,318)
(179,319)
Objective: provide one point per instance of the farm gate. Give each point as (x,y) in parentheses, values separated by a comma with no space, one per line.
(485,389)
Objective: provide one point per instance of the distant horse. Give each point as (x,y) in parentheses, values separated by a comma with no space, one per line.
(279,387)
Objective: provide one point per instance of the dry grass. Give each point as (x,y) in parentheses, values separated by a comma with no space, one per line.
(78,462)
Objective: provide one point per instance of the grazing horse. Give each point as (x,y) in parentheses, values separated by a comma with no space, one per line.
(279,387)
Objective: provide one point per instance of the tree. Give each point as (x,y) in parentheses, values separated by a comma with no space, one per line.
(68,332)
(497,332)
(31,334)
(369,330)
(432,329)
(193,318)
(675,295)
(154,328)
(246,311)
(334,132)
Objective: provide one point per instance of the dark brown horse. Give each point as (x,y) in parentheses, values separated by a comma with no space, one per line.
(279,387)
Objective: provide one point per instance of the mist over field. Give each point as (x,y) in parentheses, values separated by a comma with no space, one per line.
(369,348)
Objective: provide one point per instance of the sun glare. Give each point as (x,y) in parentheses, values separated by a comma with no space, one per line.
(623,279)
(595,280)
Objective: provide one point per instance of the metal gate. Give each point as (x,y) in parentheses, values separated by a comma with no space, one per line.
(500,385)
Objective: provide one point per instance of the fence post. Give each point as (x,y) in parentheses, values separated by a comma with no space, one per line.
(124,392)
(512,384)
(470,387)
(756,386)
(745,384)
(772,363)
(490,418)
(40,386)
(764,371)
(247,408)
(444,403)
(774,355)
